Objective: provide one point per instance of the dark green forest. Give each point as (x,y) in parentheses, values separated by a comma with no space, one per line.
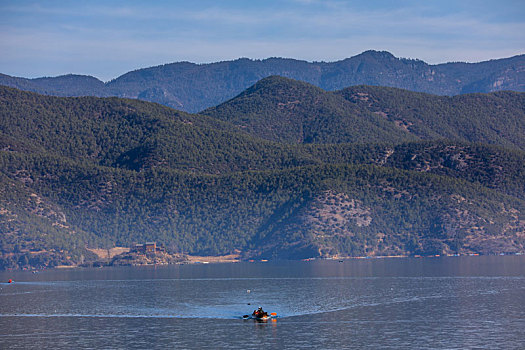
(286,110)
(88,172)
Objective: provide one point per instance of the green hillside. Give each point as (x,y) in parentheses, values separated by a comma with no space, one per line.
(79,173)
(132,134)
(323,210)
(136,135)
(291,111)
(295,112)
(494,118)
(35,231)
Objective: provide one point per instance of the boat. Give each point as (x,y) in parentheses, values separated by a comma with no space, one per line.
(264,317)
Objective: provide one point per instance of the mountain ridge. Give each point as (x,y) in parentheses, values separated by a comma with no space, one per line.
(286,110)
(87,172)
(193,87)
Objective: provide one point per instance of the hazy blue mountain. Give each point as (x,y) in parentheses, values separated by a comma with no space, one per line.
(64,85)
(194,87)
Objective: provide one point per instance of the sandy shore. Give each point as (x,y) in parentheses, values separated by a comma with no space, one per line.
(108,253)
(213,259)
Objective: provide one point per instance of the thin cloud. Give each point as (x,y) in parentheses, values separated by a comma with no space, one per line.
(96,37)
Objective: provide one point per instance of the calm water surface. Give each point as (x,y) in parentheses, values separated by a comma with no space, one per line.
(440,303)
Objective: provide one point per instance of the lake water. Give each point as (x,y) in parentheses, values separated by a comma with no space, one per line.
(438,303)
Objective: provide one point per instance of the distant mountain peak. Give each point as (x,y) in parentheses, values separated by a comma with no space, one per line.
(195,87)
(377,54)
(280,87)
(277,79)
(69,77)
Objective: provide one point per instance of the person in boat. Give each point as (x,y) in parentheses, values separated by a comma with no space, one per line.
(259,313)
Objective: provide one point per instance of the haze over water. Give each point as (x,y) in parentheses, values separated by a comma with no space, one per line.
(441,303)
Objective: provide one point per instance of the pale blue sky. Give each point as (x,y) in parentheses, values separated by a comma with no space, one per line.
(107,38)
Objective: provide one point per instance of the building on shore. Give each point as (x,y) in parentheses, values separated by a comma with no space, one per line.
(148,247)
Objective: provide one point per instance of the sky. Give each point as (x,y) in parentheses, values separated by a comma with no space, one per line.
(106,38)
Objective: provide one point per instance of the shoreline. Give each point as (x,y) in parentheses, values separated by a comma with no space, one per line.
(235,258)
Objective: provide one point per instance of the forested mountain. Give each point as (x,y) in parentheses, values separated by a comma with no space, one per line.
(131,134)
(286,110)
(194,87)
(64,85)
(90,172)
(493,118)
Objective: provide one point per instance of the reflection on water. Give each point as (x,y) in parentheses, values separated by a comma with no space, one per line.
(401,303)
